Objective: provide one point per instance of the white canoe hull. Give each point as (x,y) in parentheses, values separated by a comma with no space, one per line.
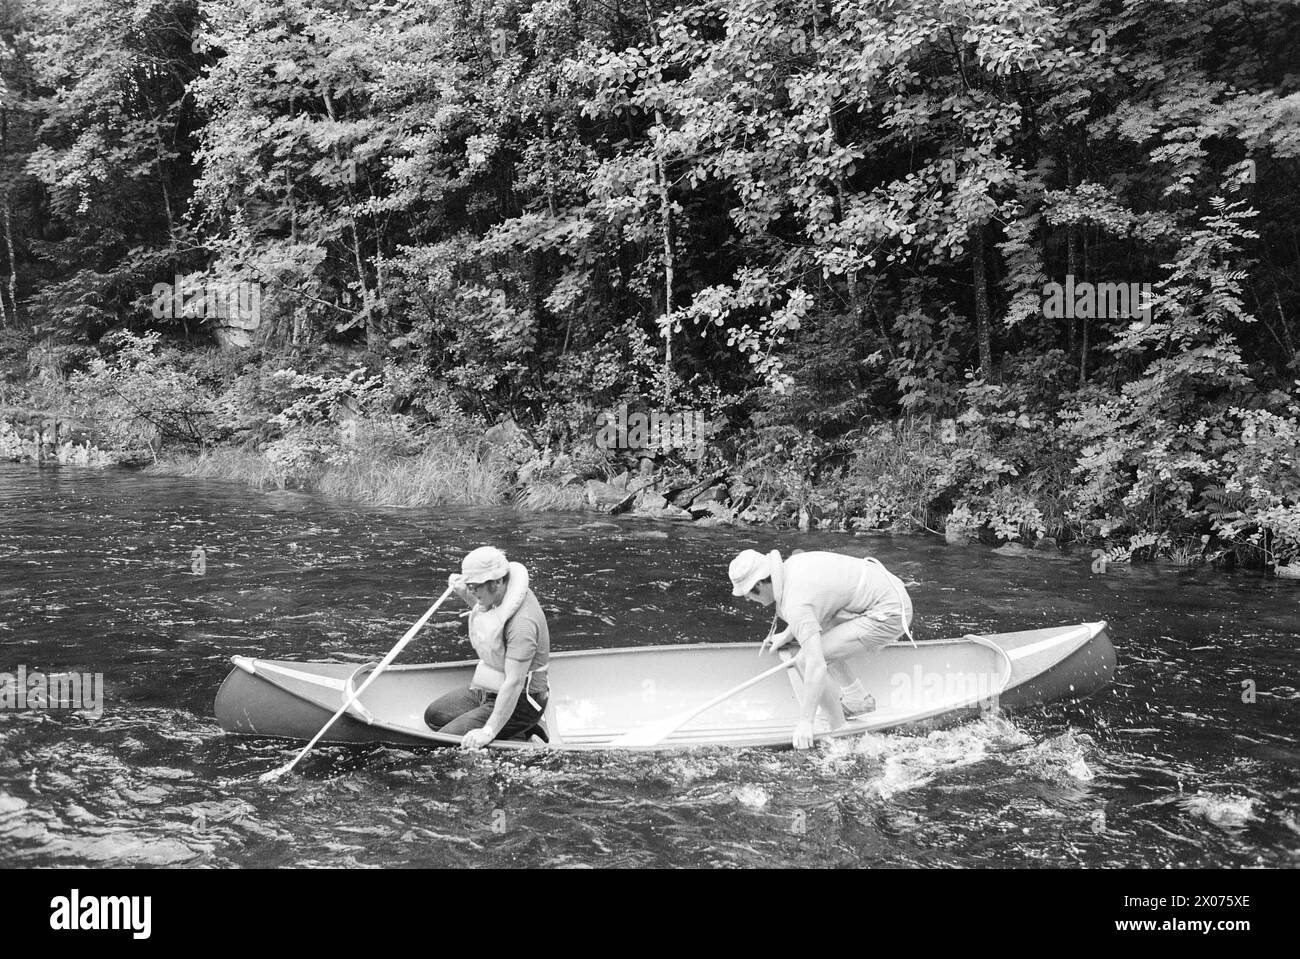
(599,695)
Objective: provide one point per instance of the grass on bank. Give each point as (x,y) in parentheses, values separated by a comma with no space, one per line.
(541,496)
(442,474)
(439,475)
(234,464)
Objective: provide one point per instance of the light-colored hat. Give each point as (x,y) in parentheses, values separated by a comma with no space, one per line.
(484,564)
(746,569)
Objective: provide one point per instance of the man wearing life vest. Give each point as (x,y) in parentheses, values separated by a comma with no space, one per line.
(507,628)
(836,606)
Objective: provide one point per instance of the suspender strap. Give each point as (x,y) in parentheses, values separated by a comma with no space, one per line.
(528,683)
(902,606)
(528,692)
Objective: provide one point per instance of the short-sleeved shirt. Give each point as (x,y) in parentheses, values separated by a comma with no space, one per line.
(526,638)
(822,586)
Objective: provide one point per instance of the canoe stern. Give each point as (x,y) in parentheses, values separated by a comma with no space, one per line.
(251,705)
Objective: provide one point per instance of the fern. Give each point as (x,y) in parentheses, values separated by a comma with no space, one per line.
(1219,502)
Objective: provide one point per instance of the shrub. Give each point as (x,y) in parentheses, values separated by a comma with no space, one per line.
(138,394)
(892,476)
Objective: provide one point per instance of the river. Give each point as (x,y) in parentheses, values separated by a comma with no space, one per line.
(1191,757)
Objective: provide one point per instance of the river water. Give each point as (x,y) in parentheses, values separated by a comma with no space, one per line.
(1191,758)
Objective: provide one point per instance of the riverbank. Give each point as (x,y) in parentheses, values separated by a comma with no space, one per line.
(1014,466)
(34,436)
(450,472)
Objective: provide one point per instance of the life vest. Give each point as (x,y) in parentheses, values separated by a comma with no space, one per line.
(487,629)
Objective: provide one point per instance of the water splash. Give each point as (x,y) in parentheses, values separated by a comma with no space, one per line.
(754,797)
(909,762)
(1229,812)
(1061,759)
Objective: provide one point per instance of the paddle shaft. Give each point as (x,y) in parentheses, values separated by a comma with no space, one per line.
(383,664)
(658,732)
(770,633)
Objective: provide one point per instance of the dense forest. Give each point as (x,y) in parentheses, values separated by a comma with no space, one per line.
(1011,269)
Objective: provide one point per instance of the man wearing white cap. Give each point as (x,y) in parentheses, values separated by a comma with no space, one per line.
(508,630)
(836,606)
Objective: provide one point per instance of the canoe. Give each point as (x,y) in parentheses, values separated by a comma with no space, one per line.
(598,695)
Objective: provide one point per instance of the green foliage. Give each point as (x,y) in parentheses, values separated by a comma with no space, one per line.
(99,92)
(1173,430)
(781,464)
(892,477)
(137,395)
(828,227)
(1006,513)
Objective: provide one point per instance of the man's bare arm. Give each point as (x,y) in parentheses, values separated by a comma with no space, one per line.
(508,695)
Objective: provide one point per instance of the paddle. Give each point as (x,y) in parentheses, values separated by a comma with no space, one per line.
(383,664)
(770,633)
(653,733)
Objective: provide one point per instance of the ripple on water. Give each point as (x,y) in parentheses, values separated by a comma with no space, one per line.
(1141,775)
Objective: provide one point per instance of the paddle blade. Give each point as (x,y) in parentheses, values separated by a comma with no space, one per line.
(650,734)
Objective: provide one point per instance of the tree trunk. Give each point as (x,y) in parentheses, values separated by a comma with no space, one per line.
(167,199)
(983,328)
(293,207)
(4,149)
(1288,342)
(1071,258)
(1083,332)
(667,231)
(13,257)
(361,279)
(4,311)
(367,299)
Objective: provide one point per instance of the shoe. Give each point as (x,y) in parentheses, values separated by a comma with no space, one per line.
(856,707)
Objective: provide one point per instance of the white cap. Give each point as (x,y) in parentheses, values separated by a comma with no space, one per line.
(746,569)
(484,564)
